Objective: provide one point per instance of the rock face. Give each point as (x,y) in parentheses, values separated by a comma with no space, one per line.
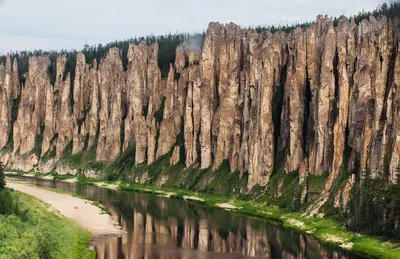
(192,111)
(143,99)
(9,90)
(49,120)
(294,100)
(32,109)
(303,101)
(111,84)
(393,115)
(82,89)
(91,123)
(175,156)
(171,121)
(64,127)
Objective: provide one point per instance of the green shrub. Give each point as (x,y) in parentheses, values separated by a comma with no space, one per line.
(28,230)
(375,208)
(2,177)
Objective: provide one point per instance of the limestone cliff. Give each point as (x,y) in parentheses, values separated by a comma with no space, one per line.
(10,89)
(265,103)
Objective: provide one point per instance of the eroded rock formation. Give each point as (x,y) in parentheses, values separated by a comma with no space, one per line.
(264,102)
(10,89)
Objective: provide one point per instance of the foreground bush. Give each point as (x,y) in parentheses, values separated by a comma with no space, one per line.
(28,230)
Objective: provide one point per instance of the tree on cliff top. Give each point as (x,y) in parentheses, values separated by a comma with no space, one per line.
(2,177)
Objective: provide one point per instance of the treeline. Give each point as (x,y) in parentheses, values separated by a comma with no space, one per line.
(375,208)
(167,44)
(390,10)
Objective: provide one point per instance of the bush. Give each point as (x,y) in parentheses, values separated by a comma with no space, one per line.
(6,202)
(28,230)
(2,177)
(375,208)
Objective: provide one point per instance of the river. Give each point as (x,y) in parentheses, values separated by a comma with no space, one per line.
(164,228)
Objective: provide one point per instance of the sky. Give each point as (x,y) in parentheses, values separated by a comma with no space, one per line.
(70,24)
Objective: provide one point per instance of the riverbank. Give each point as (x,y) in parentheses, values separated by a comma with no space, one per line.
(327,230)
(94,220)
(29,230)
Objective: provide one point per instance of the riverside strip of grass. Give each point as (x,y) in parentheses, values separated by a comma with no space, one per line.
(28,230)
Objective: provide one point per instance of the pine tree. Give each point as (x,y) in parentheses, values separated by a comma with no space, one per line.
(2,177)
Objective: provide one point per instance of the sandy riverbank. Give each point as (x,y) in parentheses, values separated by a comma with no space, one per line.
(81,211)
(70,180)
(47,177)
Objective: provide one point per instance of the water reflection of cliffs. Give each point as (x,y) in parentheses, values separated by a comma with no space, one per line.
(162,228)
(157,226)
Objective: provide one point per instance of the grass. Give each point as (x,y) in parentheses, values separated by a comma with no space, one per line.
(85,159)
(28,230)
(21,172)
(63,177)
(51,153)
(315,185)
(40,175)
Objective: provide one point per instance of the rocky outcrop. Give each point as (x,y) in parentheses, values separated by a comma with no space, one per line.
(9,90)
(294,100)
(143,98)
(208,90)
(313,101)
(64,126)
(171,121)
(32,109)
(135,99)
(345,56)
(81,96)
(259,90)
(367,103)
(192,115)
(49,120)
(175,156)
(323,92)
(155,103)
(92,122)
(365,88)
(111,84)
(393,113)
(228,90)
